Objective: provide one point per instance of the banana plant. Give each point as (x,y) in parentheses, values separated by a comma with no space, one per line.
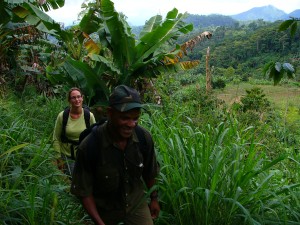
(16,35)
(106,53)
(121,58)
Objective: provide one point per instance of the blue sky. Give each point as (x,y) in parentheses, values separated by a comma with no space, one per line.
(138,11)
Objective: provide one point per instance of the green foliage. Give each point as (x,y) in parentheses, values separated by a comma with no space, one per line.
(218,83)
(215,168)
(291,23)
(219,175)
(102,52)
(247,48)
(201,21)
(247,174)
(277,70)
(253,108)
(33,190)
(255,100)
(187,78)
(116,60)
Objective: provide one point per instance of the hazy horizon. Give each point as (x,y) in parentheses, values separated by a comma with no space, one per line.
(138,11)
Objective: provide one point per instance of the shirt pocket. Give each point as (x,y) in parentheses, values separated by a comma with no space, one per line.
(107,179)
(135,165)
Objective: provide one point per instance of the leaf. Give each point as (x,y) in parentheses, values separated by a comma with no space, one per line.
(278,76)
(103,60)
(190,44)
(90,45)
(288,67)
(122,41)
(55,77)
(293,28)
(20,11)
(152,42)
(90,23)
(151,25)
(189,64)
(34,16)
(85,77)
(278,66)
(15,148)
(285,25)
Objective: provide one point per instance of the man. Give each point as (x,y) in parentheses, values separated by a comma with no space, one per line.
(111,163)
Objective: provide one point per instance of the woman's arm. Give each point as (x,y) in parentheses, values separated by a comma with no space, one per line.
(57,133)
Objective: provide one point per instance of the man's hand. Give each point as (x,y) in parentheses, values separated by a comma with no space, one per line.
(154,208)
(90,206)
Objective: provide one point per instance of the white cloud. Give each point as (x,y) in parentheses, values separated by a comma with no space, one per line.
(138,11)
(68,13)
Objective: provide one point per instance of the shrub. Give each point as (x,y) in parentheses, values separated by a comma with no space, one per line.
(219,84)
(255,100)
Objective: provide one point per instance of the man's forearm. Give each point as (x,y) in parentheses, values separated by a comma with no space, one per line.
(90,206)
(153,205)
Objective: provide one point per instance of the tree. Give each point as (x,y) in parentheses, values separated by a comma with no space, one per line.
(102,52)
(277,70)
(120,58)
(21,43)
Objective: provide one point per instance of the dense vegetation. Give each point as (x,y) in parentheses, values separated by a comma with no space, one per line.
(221,167)
(243,50)
(228,157)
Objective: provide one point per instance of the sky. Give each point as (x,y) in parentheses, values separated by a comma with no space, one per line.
(138,11)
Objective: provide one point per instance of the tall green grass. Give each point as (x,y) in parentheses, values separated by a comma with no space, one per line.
(221,175)
(210,174)
(32,189)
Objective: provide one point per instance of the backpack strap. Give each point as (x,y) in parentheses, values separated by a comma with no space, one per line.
(142,140)
(63,136)
(93,146)
(87,116)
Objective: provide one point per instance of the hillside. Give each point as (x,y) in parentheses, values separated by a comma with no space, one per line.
(214,20)
(267,13)
(295,14)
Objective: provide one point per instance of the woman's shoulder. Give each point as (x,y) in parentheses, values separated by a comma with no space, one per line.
(92,118)
(60,115)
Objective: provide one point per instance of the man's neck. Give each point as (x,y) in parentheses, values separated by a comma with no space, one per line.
(116,138)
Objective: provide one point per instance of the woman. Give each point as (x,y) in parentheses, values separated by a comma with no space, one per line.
(68,126)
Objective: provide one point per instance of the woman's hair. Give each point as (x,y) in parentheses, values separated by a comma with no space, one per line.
(73,89)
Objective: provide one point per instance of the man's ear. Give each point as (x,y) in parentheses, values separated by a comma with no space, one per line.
(109,112)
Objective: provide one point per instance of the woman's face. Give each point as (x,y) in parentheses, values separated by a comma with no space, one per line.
(75,99)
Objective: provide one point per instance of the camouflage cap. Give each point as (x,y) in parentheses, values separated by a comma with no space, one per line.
(125,98)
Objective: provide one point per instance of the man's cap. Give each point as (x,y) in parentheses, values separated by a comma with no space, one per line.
(125,98)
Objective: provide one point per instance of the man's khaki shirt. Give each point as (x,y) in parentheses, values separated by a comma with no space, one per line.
(114,178)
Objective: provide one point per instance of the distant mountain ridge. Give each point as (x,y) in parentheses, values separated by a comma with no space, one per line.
(267,13)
